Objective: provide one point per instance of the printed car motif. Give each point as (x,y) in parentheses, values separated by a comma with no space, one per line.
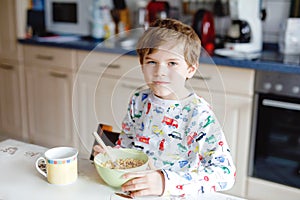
(162,145)
(211,139)
(125,127)
(175,135)
(170,122)
(202,134)
(156,130)
(159,110)
(191,137)
(143,139)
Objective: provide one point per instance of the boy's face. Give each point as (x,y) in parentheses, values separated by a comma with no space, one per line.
(165,72)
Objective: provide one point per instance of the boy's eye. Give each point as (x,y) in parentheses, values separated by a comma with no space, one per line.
(173,63)
(150,62)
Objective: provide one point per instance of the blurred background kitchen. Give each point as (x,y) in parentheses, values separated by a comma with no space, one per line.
(52,53)
(217,22)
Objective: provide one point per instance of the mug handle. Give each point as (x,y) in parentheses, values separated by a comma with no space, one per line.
(37,162)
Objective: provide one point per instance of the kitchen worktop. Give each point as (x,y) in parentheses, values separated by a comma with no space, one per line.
(20,180)
(270,59)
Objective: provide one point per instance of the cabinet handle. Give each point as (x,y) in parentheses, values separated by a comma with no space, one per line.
(44,57)
(112,66)
(204,78)
(58,75)
(6,66)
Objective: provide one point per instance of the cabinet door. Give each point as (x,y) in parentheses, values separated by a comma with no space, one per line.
(8,33)
(100,100)
(85,118)
(234,114)
(10,102)
(112,98)
(49,106)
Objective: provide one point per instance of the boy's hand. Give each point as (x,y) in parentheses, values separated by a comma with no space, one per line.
(144,183)
(98,149)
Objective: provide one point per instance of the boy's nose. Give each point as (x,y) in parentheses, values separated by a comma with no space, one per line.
(161,69)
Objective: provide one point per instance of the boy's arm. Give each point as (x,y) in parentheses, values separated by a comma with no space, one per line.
(125,137)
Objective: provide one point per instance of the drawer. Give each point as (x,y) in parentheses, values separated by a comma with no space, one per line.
(49,56)
(223,79)
(110,64)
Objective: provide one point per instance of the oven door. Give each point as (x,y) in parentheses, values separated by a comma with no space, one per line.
(276,141)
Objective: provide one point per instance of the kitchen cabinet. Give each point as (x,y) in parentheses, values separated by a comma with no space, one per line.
(8,34)
(231,100)
(103,86)
(11,121)
(49,82)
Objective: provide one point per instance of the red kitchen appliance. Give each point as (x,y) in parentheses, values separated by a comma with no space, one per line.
(158,10)
(203,24)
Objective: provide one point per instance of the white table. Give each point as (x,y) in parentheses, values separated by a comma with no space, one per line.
(20,180)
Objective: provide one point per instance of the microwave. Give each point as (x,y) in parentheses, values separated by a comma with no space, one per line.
(68,16)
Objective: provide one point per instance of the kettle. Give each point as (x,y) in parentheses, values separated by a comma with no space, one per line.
(203,24)
(239,32)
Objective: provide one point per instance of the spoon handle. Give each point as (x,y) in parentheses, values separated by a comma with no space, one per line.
(106,149)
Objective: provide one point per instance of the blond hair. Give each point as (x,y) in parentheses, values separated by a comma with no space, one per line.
(171,31)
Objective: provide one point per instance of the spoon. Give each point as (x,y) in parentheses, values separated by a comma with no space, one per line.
(106,148)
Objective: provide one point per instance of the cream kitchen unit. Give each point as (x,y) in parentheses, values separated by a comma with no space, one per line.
(11,114)
(12,99)
(49,81)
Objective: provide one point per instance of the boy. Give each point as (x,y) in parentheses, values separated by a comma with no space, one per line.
(174,126)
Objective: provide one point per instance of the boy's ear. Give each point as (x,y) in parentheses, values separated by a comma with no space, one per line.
(192,70)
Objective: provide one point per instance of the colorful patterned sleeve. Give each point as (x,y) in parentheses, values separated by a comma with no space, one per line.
(211,169)
(126,137)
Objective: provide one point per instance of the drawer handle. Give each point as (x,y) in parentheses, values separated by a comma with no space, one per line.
(6,66)
(44,57)
(204,78)
(58,75)
(111,66)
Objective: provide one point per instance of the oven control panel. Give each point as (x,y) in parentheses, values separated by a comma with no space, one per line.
(286,84)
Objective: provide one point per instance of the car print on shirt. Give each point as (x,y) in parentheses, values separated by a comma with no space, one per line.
(211,139)
(125,127)
(181,148)
(202,134)
(158,110)
(187,176)
(138,115)
(209,120)
(144,96)
(170,122)
(183,163)
(175,135)
(220,159)
(148,108)
(143,139)
(179,187)
(156,130)
(191,137)
(162,145)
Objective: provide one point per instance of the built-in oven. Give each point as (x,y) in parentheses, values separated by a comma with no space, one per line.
(275,139)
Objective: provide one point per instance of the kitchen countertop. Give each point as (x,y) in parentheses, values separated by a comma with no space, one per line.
(270,59)
(20,180)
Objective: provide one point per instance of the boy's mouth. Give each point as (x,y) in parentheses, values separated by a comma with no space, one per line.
(160,82)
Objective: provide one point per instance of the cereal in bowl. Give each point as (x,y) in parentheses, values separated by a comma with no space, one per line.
(126,163)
